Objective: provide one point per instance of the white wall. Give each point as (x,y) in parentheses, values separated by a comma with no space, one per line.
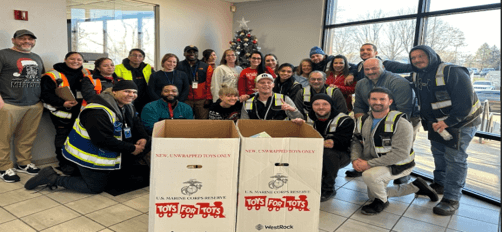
(46,19)
(205,24)
(286,28)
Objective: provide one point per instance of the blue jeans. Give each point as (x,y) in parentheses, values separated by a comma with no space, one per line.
(451,164)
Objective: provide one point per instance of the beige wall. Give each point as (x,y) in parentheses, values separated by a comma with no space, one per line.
(286,28)
(205,24)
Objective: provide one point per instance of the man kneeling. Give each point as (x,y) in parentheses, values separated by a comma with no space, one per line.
(382,150)
(106,137)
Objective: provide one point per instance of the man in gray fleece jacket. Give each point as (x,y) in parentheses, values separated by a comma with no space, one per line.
(382,150)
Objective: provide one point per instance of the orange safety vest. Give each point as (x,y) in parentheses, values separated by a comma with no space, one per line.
(97,87)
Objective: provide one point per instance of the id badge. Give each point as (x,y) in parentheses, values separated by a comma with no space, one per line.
(194,85)
(127,133)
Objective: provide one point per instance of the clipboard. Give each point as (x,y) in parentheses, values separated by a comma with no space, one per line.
(65,93)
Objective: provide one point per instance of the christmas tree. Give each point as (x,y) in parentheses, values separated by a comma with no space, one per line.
(244,43)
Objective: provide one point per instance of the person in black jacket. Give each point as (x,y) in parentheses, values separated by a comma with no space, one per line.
(168,76)
(337,129)
(286,83)
(227,107)
(104,73)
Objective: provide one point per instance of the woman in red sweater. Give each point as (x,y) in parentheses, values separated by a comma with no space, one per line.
(246,84)
(337,73)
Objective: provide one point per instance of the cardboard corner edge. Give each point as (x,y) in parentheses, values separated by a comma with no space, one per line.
(158,129)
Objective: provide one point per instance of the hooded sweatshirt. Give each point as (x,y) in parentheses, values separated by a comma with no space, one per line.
(458,86)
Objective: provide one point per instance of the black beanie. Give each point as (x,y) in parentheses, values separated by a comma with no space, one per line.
(322,96)
(124,84)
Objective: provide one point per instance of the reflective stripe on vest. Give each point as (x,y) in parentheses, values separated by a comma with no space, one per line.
(389,122)
(334,123)
(126,74)
(277,101)
(79,148)
(307,93)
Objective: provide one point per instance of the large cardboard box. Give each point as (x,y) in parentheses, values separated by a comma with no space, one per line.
(193,184)
(279,177)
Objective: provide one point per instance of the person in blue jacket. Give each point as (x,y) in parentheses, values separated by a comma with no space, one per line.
(167,107)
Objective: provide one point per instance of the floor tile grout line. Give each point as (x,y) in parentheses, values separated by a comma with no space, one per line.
(108,227)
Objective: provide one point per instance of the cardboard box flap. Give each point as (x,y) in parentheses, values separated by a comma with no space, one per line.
(276,128)
(195,129)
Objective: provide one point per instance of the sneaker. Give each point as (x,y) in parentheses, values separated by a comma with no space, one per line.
(375,207)
(425,189)
(9,176)
(437,187)
(402,180)
(46,176)
(327,195)
(30,169)
(353,173)
(446,207)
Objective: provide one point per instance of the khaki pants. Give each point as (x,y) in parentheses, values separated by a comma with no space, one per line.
(377,179)
(22,123)
(198,108)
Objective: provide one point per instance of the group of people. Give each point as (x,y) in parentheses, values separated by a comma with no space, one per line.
(110,128)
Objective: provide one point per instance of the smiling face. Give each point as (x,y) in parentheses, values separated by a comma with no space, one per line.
(372,69)
(321,107)
(106,68)
(169,93)
(285,73)
(265,86)
(126,96)
(316,58)
(419,59)
(316,80)
(230,57)
(228,100)
(338,64)
(255,60)
(306,67)
(367,51)
(169,64)
(379,102)
(191,55)
(271,62)
(212,57)
(74,61)
(23,43)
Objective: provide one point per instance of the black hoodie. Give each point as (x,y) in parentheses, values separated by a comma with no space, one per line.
(289,88)
(458,86)
(343,134)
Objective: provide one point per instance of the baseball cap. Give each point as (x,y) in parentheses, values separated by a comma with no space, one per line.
(24,32)
(262,76)
(191,47)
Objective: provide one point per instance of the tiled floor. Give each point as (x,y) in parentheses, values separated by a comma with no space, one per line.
(62,210)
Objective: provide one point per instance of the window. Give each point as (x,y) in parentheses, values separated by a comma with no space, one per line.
(462,32)
(112,28)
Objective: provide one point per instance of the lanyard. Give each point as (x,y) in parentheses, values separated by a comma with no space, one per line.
(195,77)
(167,77)
(268,109)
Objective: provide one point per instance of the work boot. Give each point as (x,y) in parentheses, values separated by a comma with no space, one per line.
(353,173)
(446,207)
(437,187)
(425,189)
(375,207)
(46,176)
(402,180)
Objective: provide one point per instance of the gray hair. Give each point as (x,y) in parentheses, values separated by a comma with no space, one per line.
(316,71)
(380,63)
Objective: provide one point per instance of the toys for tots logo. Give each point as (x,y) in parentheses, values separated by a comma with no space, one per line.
(203,209)
(289,202)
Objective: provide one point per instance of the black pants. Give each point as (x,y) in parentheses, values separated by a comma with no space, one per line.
(332,161)
(63,129)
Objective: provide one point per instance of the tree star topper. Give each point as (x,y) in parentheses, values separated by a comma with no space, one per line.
(243,23)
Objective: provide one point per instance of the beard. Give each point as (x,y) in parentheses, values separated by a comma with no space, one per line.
(173,100)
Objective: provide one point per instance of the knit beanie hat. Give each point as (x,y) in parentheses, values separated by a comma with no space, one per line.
(124,84)
(322,96)
(316,50)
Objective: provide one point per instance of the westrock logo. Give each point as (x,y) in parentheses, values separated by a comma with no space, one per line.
(193,187)
(277,227)
(278,181)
